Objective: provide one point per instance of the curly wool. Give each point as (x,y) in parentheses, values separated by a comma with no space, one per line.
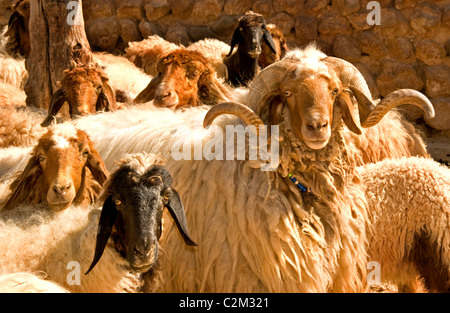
(409,205)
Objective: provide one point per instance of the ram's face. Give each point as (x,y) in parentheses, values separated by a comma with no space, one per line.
(310,97)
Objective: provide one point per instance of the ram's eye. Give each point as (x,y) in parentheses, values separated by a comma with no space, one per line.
(287,93)
(41,157)
(117,202)
(98,89)
(85,153)
(335,91)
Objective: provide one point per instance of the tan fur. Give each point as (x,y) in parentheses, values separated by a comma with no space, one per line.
(267,57)
(145,54)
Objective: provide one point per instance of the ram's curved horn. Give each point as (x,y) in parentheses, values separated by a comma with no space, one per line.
(235,108)
(393,100)
(369,113)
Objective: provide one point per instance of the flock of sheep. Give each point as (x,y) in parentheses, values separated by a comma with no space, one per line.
(89,189)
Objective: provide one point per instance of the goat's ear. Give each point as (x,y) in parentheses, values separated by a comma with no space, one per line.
(349,113)
(106,100)
(268,39)
(176,210)
(107,220)
(96,166)
(276,105)
(22,185)
(235,39)
(148,93)
(57,101)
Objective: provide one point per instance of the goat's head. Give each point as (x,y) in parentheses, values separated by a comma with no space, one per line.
(250,33)
(135,197)
(309,93)
(185,78)
(56,171)
(267,56)
(86,90)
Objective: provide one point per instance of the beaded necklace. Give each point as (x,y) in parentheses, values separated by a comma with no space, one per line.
(298,184)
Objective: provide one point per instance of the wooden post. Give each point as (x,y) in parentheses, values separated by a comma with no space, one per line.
(58,42)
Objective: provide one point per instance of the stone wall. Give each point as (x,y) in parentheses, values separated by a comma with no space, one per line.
(409,49)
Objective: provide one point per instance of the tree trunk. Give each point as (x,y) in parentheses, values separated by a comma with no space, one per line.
(57,43)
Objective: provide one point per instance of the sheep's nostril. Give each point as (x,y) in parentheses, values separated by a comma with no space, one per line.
(62,189)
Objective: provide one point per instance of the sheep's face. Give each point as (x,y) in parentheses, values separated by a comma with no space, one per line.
(181,77)
(83,87)
(140,198)
(62,154)
(249,35)
(310,98)
(136,196)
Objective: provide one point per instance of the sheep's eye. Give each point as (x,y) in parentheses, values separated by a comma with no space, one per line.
(335,91)
(85,153)
(117,202)
(287,93)
(99,88)
(41,157)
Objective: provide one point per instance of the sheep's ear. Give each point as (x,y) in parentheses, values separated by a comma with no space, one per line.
(276,105)
(235,39)
(211,90)
(106,100)
(148,93)
(348,111)
(269,40)
(107,220)
(21,187)
(96,166)
(57,101)
(176,210)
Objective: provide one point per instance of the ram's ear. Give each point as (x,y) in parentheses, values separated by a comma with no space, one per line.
(176,210)
(276,105)
(148,93)
(349,113)
(107,220)
(57,101)
(235,39)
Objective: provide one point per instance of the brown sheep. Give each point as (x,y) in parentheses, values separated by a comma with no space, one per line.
(185,78)
(85,88)
(267,56)
(64,169)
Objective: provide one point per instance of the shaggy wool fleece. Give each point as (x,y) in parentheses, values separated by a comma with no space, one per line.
(409,205)
(34,239)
